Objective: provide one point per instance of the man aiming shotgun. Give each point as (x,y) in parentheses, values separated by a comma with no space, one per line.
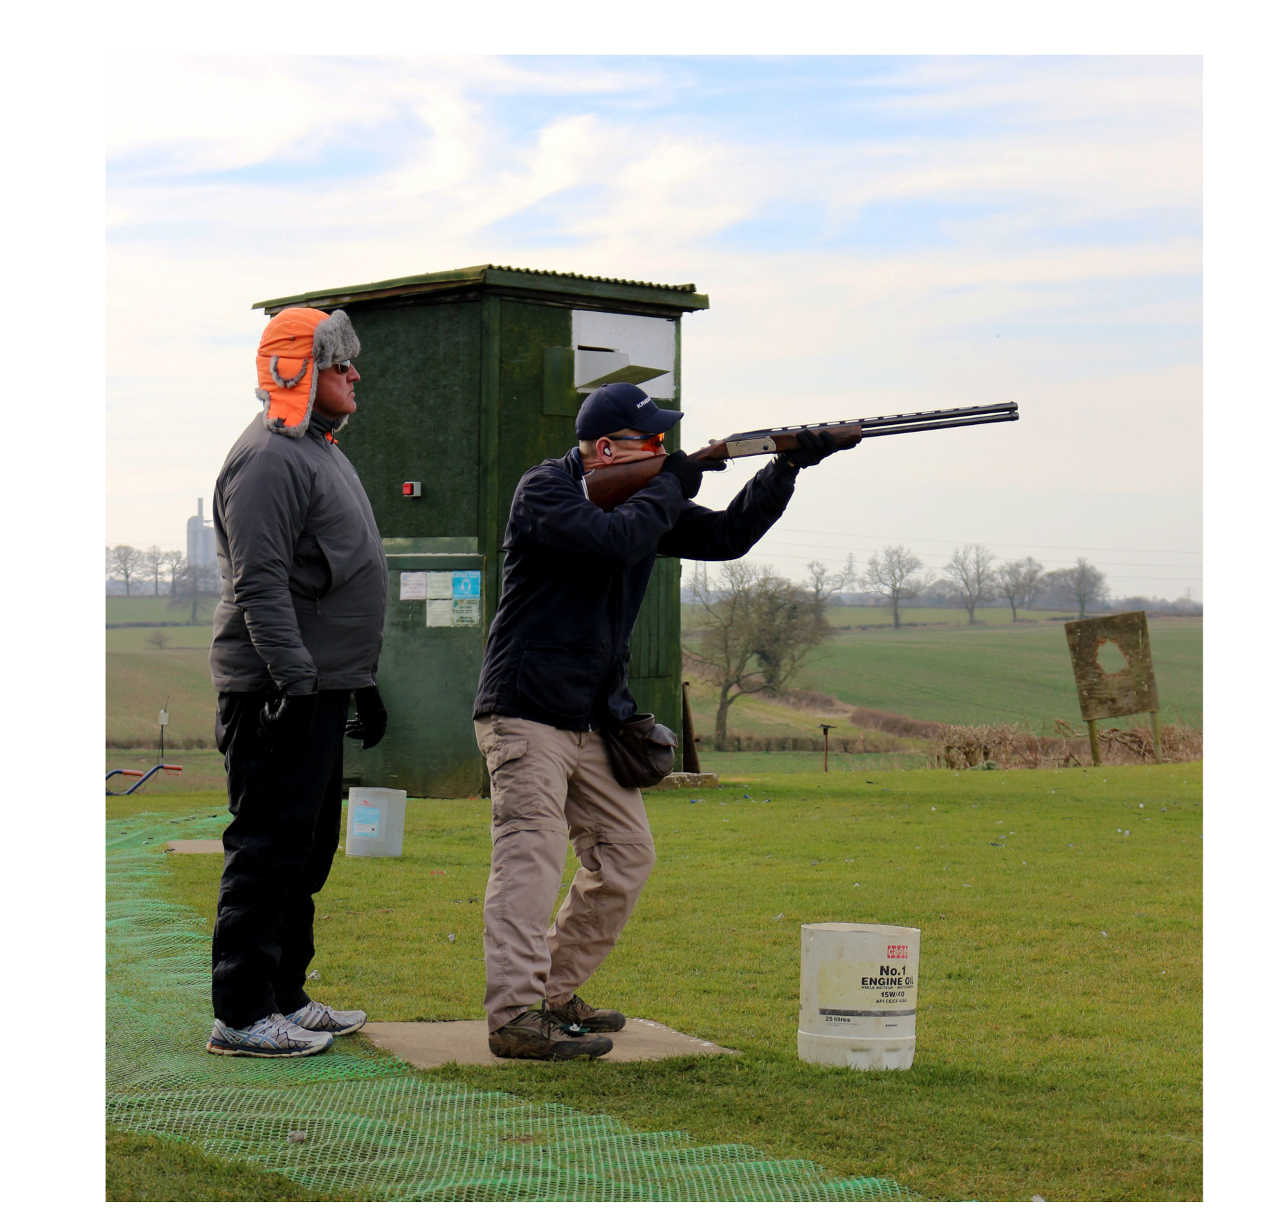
(554,716)
(555,679)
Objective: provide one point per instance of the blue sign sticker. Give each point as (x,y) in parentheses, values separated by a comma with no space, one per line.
(466,583)
(364,821)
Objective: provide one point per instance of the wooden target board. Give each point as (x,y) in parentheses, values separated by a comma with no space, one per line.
(1113,694)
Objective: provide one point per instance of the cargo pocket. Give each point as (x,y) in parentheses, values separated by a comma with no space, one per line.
(511,791)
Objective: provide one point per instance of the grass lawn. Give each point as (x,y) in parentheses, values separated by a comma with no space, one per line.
(1002,673)
(1060,1026)
(202,769)
(139,682)
(157,1169)
(763,764)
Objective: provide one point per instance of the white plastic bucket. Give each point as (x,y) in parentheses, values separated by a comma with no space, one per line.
(374,822)
(858,995)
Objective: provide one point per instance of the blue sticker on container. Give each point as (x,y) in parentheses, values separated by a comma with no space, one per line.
(364,821)
(466,583)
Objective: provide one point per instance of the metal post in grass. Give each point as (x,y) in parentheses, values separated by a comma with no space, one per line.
(825,728)
(1128,686)
(690,750)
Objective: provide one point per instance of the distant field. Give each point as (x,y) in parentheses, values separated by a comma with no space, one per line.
(757,718)
(146,608)
(184,638)
(883,617)
(138,682)
(852,617)
(1007,673)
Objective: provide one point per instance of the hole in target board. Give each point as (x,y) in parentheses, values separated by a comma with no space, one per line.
(1110,658)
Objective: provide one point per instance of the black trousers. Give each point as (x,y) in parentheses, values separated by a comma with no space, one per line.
(279,848)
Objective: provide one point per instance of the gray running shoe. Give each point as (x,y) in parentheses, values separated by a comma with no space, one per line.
(583,1016)
(272,1037)
(537,1035)
(319,1016)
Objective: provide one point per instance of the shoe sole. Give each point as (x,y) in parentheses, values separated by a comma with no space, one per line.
(340,1034)
(231,1050)
(574,1055)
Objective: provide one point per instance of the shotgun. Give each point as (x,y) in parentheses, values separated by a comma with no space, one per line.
(610,486)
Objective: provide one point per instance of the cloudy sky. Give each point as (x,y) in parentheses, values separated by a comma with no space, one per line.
(876,234)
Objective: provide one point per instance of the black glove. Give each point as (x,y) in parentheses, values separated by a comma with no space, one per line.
(688,472)
(285,723)
(372,718)
(813,449)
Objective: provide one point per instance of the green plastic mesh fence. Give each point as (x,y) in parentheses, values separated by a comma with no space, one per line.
(373,1125)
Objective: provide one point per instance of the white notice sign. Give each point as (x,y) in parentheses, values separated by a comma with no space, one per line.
(466,612)
(412,585)
(438,611)
(439,585)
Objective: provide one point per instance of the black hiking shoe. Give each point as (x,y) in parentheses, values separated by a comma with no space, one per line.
(537,1035)
(576,1013)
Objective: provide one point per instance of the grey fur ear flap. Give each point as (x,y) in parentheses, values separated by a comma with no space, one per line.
(288,384)
(335,340)
(263,395)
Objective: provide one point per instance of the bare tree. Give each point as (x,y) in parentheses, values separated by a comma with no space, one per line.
(125,564)
(758,629)
(972,575)
(196,585)
(158,638)
(174,562)
(153,559)
(1084,584)
(1018,581)
(894,574)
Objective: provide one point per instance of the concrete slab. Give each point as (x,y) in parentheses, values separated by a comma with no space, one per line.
(429,1045)
(195,846)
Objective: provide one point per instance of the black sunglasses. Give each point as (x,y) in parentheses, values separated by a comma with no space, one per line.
(343,367)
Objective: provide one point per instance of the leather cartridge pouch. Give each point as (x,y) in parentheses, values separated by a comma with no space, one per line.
(641,751)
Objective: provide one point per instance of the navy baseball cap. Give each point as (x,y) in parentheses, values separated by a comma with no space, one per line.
(615,407)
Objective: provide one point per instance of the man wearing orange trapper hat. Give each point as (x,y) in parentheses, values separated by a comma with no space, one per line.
(298,628)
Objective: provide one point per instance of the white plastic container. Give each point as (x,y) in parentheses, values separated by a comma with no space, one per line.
(374,822)
(858,995)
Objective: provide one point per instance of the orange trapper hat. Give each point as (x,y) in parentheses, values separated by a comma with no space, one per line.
(296,345)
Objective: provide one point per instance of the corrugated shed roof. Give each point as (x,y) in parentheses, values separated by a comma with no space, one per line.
(553,273)
(498,275)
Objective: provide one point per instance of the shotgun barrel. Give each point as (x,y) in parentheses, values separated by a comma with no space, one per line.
(609,486)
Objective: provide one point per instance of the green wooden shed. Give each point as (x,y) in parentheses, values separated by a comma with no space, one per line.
(469,378)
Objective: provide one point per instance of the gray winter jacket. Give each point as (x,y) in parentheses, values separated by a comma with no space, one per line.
(303,577)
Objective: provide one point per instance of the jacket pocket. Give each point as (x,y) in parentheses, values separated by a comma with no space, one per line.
(562,680)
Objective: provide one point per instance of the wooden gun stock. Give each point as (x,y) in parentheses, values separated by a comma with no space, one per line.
(609,486)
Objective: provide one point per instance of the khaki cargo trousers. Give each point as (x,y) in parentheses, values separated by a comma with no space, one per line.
(549,787)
